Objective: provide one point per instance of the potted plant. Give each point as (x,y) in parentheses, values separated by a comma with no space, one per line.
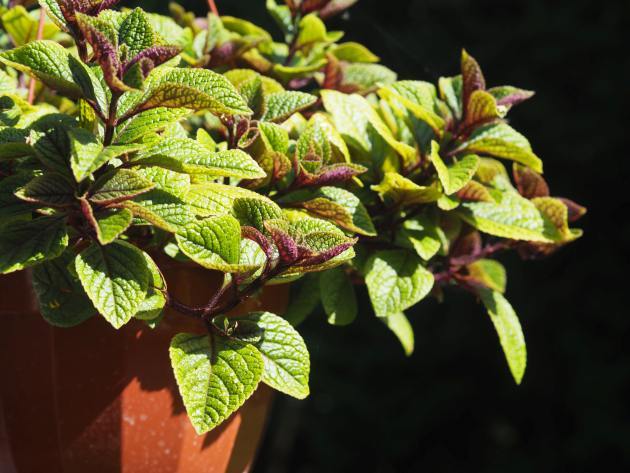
(171,177)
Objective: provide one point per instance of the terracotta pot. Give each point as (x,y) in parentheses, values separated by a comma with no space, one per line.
(95,400)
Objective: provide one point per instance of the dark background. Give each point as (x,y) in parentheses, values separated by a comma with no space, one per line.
(452,407)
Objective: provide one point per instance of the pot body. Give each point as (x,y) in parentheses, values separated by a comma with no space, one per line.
(94,399)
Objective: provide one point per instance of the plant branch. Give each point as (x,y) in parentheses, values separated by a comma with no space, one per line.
(213,7)
(110,124)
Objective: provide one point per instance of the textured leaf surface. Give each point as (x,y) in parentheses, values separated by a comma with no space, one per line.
(215,377)
(10,205)
(50,189)
(419,98)
(456,176)
(195,89)
(338,297)
(254,212)
(62,300)
(27,243)
(148,122)
(352,114)
(341,207)
(216,199)
(214,243)
(85,155)
(396,280)
(502,141)
(281,105)
(163,206)
(402,191)
(191,157)
(513,217)
(421,235)
(111,223)
(115,278)
(509,330)
(367,76)
(136,32)
(122,184)
(286,358)
(52,64)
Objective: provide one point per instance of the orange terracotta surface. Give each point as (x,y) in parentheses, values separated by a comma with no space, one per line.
(95,400)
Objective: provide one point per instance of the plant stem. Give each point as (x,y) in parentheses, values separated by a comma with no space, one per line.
(40,35)
(213,7)
(110,124)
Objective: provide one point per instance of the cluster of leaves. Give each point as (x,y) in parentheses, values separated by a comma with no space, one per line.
(271,162)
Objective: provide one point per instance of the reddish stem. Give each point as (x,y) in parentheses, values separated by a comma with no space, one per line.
(213,7)
(40,35)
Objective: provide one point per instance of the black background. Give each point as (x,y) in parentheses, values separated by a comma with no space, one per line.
(452,406)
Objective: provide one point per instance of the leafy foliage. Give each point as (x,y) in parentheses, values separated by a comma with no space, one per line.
(303,160)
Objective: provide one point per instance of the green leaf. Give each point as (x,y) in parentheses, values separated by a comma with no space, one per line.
(196,89)
(111,223)
(254,212)
(52,64)
(482,108)
(87,153)
(120,185)
(22,27)
(214,243)
(420,234)
(146,123)
(162,207)
(451,93)
(286,359)
(502,141)
(136,32)
(54,12)
(215,376)
(281,15)
(191,157)
(419,98)
(338,296)
(115,278)
(399,190)
(281,105)
(311,30)
(341,207)
(513,217)
(509,330)
(400,326)
(396,280)
(10,206)
(352,114)
(151,308)
(62,300)
(85,157)
(367,76)
(556,212)
(488,272)
(354,52)
(27,243)
(50,189)
(456,176)
(216,199)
